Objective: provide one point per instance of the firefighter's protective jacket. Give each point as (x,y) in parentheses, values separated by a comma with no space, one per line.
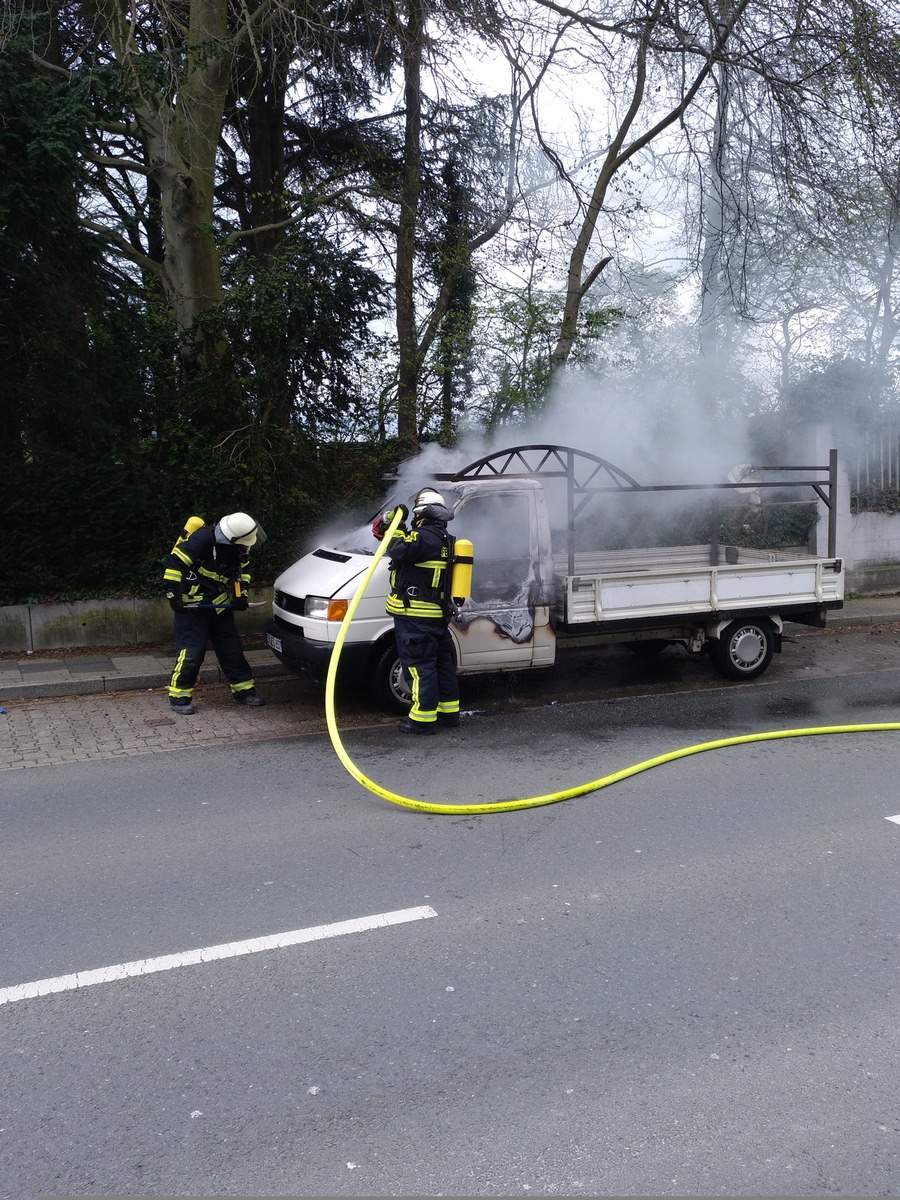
(419,561)
(202,571)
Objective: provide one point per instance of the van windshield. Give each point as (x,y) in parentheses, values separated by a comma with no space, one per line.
(360,539)
(357,541)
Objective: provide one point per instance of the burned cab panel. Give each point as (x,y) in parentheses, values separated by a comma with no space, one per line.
(507,616)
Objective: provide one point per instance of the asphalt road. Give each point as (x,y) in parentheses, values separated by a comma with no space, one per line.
(683,984)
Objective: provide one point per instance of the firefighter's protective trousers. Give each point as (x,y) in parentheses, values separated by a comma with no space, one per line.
(425,649)
(193,632)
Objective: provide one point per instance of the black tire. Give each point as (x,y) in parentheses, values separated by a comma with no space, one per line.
(744,649)
(648,648)
(390,686)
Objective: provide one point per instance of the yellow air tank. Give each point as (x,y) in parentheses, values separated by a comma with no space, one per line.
(461,579)
(191,525)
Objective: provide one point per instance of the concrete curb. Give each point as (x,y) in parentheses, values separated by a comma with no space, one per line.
(67,681)
(863,618)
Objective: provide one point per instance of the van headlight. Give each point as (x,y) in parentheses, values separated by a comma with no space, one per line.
(322,609)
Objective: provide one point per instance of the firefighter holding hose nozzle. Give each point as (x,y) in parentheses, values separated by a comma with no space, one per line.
(420,561)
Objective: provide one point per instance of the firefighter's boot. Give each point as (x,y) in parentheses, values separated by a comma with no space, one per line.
(420,727)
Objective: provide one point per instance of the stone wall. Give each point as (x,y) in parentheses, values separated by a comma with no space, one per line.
(873,561)
(119,623)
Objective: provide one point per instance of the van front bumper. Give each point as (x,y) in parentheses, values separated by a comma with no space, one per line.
(308,657)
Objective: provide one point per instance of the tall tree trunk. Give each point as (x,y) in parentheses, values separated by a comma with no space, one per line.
(264,80)
(885,299)
(621,151)
(412,36)
(181,138)
(712,217)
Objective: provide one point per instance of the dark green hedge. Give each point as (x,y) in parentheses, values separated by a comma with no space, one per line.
(650,519)
(883,500)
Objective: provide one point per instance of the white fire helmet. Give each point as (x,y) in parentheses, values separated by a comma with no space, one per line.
(426,497)
(241,530)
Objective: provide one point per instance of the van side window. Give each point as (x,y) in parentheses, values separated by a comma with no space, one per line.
(500,531)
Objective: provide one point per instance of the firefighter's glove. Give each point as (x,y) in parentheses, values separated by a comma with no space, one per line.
(239,603)
(380,527)
(176,604)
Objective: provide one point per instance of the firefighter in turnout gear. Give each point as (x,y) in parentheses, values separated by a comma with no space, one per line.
(419,561)
(206,579)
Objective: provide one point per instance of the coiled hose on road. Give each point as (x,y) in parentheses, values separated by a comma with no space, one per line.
(499,806)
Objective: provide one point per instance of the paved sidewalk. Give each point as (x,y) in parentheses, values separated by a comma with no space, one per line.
(120,670)
(93,674)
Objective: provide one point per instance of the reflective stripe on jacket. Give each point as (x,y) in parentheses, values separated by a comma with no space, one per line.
(201,570)
(419,561)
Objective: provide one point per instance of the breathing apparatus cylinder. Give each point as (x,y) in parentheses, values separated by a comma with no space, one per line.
(191,525)
(461,578)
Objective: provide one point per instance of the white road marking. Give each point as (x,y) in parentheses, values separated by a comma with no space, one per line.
(896,819)
(275,941)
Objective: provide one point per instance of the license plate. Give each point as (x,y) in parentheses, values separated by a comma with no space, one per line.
(274,643)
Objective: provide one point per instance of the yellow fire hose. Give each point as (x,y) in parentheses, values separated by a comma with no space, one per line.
(551,797)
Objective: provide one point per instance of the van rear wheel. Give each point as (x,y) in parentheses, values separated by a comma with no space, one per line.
(744,649)
(390,684)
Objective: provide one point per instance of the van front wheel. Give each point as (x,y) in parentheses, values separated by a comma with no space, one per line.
(390,684)
(743,650)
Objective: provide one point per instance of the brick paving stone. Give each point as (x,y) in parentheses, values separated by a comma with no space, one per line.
(57,730)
